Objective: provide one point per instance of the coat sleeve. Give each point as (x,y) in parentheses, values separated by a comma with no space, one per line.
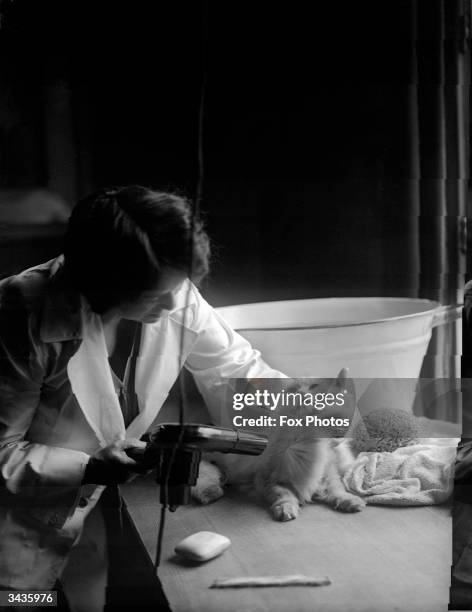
(41,477)
(220,358)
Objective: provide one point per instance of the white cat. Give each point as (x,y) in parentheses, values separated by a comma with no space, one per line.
(298,465)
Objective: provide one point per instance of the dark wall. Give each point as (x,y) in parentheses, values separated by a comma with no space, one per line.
(309,171)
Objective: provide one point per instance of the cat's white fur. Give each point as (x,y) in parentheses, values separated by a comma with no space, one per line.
(298,466)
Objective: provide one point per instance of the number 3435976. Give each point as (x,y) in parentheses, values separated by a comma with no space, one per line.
(15,598)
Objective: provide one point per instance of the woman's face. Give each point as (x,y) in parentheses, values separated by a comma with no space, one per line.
(149,306)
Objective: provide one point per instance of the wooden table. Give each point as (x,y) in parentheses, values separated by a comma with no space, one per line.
(382,559)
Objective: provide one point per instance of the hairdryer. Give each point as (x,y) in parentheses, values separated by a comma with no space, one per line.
(175,452)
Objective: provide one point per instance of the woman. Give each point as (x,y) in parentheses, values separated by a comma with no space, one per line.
(67,415)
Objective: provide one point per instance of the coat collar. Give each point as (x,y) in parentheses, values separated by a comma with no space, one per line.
(63,305)
(61,316)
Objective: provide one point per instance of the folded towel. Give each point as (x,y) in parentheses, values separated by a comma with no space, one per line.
(417,475)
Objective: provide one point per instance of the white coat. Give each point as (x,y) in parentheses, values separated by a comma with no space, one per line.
(58,405)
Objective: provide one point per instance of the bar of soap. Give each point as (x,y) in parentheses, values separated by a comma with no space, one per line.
(202,546)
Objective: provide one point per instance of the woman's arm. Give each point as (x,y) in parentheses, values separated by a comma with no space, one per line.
(218,357)
(38,472)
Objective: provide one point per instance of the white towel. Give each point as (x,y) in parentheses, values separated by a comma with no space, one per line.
(417,475)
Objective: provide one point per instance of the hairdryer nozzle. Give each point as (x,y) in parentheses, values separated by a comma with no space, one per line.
(207,438)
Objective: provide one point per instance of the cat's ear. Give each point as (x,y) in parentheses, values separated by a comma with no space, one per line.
(345,382)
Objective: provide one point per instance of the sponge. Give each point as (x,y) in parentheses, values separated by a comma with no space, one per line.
(385,430)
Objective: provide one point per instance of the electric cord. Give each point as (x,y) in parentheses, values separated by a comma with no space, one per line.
(195,213)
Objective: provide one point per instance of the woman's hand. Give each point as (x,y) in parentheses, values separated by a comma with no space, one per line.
(112,465)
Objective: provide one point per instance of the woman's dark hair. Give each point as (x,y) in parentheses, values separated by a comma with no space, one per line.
(118,241)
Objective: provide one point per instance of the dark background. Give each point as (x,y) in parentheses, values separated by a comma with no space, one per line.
(321,133)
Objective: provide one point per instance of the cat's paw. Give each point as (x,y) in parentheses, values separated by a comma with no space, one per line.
(349,504)
(285,511)
(209,485)
(207,495)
